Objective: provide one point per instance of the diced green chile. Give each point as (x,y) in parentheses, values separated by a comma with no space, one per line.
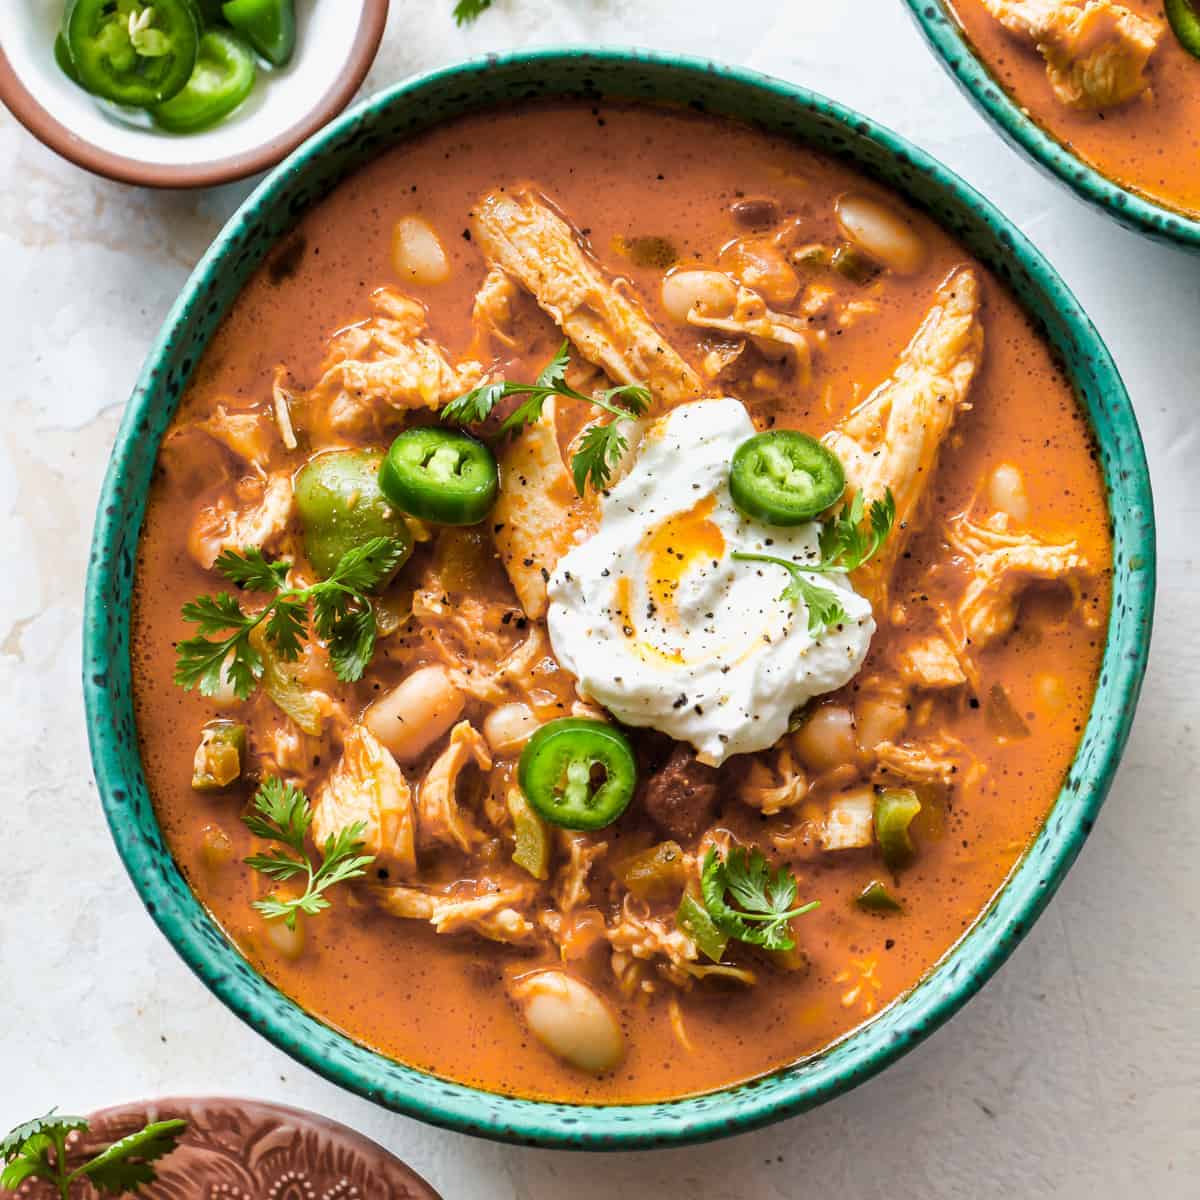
(578,773)
(341,506)
(531,838)
(784,477)
(219,757)
(141,68)
(440,475)
(876,897)
(692,917)
(224,76)
(1185,24)
(268,25)
(895,809)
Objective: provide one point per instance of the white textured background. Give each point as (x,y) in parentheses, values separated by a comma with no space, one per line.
(1075,1074)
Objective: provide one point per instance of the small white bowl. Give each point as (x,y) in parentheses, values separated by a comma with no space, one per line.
(335,47)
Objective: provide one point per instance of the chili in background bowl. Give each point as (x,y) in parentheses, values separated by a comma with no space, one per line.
(304,179)
(1131,208)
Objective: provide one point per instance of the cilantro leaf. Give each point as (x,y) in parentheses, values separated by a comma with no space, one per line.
(600,450)
(127,1164)
(282,813)
(601,447)
(343,614)
(466,11)
(53,1122)
(764,901)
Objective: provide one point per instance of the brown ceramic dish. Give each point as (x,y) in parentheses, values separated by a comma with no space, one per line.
(249,1150)
(329,68)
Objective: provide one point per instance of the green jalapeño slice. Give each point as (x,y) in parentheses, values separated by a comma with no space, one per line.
(131,52)
(440,475)
(784,477)
(578,773)
(223,78)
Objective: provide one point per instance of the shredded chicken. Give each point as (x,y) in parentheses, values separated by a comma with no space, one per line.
(771,789)
(495,914)
(537,512)
(1002,566)
(930,662)
(368,786)
(571,886)
(440,817)
(521,234)
(282,400)
(643,938)
(492,312)
(385,363)
(893,438)
(939,759)
(1096,51)
(225,526)
(775,334)
(248,435)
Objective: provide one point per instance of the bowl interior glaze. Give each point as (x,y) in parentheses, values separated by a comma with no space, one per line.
(303,180)
(1130,208)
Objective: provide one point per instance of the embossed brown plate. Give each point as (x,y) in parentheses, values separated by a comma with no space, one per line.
(249,1150)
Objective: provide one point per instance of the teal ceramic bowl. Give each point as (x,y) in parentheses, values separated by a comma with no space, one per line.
(302,181)
(1131,208)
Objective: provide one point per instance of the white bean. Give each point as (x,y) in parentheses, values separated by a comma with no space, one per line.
(877,720)
(880,232)
(509,727)
(570,1020)
(415,713)
(709,292)
(826,740)
(289,942)
(417,254)
(1006,490)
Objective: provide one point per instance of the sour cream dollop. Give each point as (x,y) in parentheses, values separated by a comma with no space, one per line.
(664,628)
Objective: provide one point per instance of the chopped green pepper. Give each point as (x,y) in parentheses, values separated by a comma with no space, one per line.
(692,917)
(895,809)
(268,25)
(875,897)
(219,756)
(223,77)
(132,52)
(341,506)
(1185,24)
(532,849)
(853,264)
(440,475)
(578,773)
(784,477)
(654,874)
(281,682)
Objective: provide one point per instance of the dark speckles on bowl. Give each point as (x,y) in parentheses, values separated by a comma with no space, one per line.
(1131,209)
(263,222)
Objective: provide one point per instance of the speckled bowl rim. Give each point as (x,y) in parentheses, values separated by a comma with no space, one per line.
(1131,208)
(64,141)
(106,665)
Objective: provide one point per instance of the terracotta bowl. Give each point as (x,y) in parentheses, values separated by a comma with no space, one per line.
(247,1150)
(336,46)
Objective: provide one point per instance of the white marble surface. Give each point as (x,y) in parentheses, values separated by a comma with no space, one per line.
(1075,1074)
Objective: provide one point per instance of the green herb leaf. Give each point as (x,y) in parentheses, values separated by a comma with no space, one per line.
(282,813)
(601,446)
(765,900)
(343,615)
(127,1164)
(466,11)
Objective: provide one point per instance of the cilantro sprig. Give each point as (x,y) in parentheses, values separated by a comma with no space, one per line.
(846,543)
(341,613)
(601,446)
(763,901)
(38,1150)
(283,814)
(466,11)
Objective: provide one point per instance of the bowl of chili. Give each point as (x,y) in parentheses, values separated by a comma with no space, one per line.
(176,104)
(264,222)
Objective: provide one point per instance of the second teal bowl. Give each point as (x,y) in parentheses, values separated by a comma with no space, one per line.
(942,31)
(302,181)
